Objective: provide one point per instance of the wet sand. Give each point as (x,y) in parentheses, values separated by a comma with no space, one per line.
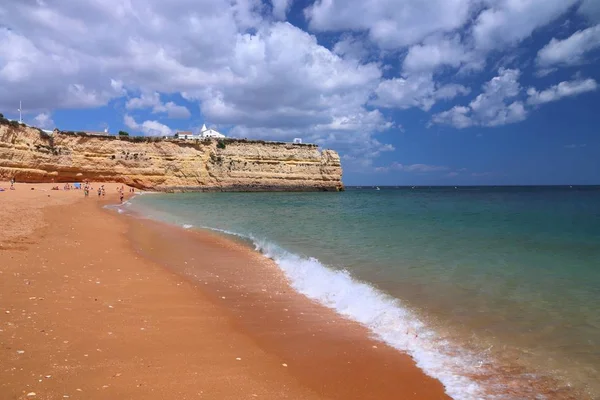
(96,305)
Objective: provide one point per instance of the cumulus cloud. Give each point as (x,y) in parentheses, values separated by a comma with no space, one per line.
(148,128)
(429,28)
(414,91)
(436,52)
(173,110)
(44,120)
(351,46)
(508,22)
(563,89)
(570,51)
(493,107)
(280,8)
(288,80)
(145,100)
(389,23)
(152,100)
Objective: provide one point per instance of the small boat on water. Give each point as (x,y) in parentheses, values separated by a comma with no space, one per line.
(377,188)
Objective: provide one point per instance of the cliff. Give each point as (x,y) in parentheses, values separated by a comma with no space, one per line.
(31,155)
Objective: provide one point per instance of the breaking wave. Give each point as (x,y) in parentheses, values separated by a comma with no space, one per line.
(384,315)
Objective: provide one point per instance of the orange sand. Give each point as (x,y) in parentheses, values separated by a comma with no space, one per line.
(94,305)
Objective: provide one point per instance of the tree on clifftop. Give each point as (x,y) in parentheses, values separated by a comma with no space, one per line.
(123,133)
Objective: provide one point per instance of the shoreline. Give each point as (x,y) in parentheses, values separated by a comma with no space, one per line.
(239,305)
(478,373)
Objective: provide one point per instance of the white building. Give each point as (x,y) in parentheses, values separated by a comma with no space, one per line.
(186,135)
(209,133)
(204,133)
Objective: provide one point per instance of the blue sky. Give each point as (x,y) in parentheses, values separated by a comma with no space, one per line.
(444,92)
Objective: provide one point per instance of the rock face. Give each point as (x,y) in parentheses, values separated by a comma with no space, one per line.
(30,155)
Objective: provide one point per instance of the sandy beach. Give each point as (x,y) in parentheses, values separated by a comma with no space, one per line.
(97,305)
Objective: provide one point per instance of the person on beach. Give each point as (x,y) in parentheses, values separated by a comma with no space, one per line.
(12,184)
(99,192)
(121,197)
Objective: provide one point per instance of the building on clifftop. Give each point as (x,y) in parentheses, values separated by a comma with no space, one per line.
(186,135)
(205,133)
(210,133)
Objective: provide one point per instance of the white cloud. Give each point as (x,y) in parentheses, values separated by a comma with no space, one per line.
(493,107)
(44,120)
(352,47)
(563,89)
(508,22)
(287,80)
(415,91)
(149,45)
(570,51)
(281,8)
(173,110)
(416,168)
(129,122)
(152,100)
(458,116)
(436,52)
(146,100)
(148,128)
(575,146)
(390,23)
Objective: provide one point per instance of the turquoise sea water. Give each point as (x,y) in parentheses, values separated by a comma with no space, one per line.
(494,291)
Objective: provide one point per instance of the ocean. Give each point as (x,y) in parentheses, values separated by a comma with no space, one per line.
(495,291)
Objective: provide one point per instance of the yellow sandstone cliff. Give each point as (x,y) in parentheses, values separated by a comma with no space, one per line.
(31,155)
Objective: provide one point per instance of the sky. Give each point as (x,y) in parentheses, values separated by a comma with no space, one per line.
(409,92)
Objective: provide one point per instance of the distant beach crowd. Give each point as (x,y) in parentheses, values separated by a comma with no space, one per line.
(86,187)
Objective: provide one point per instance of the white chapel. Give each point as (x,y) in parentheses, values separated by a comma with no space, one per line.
(209,133)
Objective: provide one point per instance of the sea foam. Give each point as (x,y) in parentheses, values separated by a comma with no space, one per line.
(384,315)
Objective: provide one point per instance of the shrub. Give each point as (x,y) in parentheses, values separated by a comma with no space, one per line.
(221,144)
(123,133)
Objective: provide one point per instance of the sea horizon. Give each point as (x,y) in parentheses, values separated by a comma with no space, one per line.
(565,185)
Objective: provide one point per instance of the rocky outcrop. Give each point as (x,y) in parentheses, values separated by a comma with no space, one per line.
(31,155)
